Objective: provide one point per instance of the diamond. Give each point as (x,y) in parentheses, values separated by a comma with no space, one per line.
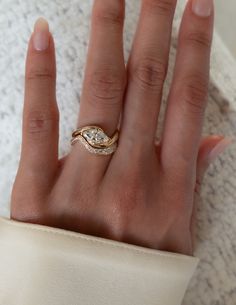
(101,151)
(95,136)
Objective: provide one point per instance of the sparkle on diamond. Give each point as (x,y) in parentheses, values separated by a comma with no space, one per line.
(95,136)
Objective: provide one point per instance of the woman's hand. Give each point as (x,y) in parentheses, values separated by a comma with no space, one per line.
(142,194)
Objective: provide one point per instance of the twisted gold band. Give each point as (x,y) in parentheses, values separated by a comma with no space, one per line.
(95,140)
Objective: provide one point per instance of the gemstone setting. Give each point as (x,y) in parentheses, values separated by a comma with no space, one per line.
(95,140)
(95,136)
(99,151)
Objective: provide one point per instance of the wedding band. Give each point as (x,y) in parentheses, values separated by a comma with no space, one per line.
(95,140)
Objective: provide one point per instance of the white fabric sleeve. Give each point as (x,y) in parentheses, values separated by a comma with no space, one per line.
(48,266)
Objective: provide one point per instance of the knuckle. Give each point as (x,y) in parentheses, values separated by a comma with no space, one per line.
(195,90)
(162,7)
(150,74)
(199,39)
(22,211)
(40,74)
(106,87)
(109,15)
(38,122)
(131,191)
(129,195)
(34,215)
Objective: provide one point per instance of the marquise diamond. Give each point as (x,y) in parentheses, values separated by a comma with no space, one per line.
(95,136)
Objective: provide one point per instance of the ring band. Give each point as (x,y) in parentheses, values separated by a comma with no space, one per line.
(95,140)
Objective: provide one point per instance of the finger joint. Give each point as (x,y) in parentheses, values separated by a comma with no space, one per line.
(106,87)
(198,39)
(41,123)
(40,74)
(195,91)
(150,74)
(109,15)
(161,7)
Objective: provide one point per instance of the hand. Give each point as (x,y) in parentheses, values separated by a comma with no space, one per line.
(144,193)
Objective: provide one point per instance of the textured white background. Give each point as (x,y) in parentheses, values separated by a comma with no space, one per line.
(225,22)
(215,280)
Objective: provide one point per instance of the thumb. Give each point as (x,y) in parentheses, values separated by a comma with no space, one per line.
(210,148)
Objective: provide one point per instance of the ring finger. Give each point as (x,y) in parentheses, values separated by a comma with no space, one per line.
(104,81)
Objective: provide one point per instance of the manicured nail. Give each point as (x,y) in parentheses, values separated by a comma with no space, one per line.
(41,35)
(202,8)
(219,148)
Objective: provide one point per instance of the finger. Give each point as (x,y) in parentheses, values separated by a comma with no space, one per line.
(39,154)
(210,148)
(104,80)
(187,99)
(147,68)
(103,87)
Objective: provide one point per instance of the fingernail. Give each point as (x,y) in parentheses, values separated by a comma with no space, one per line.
(41,35)
(202,8)
(219,148)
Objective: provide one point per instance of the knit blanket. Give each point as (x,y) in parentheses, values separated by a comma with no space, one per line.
(214,282)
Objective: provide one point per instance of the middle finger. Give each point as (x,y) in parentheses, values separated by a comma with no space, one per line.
(147,69)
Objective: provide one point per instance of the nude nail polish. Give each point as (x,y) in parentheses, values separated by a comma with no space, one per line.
(41,35)
(219,148)
(202,8)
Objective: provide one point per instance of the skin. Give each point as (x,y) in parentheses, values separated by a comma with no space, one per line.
(143,194)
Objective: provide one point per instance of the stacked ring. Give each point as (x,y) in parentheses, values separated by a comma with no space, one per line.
(95,140)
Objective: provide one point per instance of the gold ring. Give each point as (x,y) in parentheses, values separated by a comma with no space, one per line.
(95,140)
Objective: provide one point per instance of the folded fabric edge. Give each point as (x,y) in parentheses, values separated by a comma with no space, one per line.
(99,240)
(52,257)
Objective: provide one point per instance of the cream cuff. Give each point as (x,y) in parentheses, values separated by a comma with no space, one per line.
(48,266)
